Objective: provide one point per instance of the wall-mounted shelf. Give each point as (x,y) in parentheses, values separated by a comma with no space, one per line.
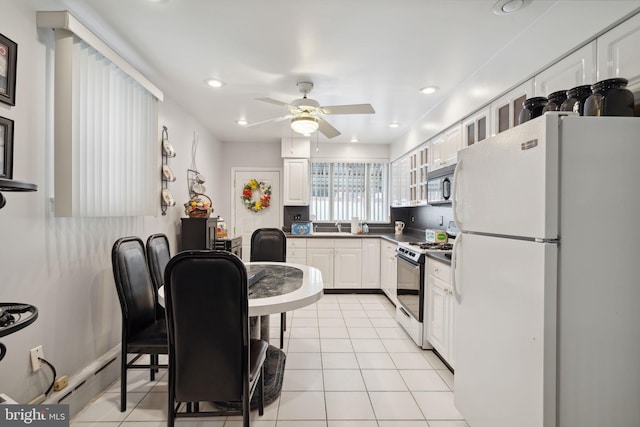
(166,198)
(13,185)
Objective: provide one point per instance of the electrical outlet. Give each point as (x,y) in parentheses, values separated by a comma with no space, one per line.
(413,219)
(441,220)
(36,353)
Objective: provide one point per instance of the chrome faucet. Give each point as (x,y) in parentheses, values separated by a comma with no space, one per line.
(339,227)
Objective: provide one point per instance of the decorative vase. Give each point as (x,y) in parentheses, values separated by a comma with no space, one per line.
(610,98)
(532,108)
(555,101)
(575,99)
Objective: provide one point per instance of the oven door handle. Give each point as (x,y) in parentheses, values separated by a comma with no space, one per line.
(404,311)
(414,265)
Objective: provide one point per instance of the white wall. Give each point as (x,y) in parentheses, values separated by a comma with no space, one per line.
(63,265)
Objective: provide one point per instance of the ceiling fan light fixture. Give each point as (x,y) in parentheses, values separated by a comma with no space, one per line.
(304,124)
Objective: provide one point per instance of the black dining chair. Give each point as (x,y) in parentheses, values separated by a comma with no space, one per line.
(158,255)
(270,244)
(144,327)
(211,357)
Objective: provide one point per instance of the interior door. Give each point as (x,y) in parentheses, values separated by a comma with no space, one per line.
(505,331)
(245,221)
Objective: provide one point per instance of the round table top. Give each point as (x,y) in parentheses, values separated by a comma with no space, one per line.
(280,297)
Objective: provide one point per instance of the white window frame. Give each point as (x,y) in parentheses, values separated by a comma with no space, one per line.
(368,208)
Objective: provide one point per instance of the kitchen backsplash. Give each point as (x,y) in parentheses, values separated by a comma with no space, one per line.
(423,217)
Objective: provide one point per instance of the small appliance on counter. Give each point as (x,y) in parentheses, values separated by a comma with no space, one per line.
(302,228)
(436,236)
(399,226)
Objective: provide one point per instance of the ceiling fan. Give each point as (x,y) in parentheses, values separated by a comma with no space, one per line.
(305,113)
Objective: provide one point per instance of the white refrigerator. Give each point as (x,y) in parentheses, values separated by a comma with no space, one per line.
(546,275)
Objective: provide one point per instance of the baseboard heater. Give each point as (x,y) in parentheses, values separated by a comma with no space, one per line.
(88,383)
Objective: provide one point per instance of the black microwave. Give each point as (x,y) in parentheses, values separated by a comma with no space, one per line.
(440,186)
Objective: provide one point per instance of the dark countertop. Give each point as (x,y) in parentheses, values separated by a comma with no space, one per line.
(411,236)
(440,256)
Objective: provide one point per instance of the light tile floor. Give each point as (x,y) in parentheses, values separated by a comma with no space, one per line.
(349,364)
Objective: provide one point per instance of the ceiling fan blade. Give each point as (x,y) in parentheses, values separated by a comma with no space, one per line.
(275,120)
(348,109)
(326,129)
(275,102)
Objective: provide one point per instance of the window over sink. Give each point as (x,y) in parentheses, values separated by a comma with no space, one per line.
(342,190)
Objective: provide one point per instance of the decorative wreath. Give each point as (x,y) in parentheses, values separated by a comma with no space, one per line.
(247,195)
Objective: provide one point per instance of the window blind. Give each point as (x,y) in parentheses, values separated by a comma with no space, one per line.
(113,139)
(106,150)
(342,190)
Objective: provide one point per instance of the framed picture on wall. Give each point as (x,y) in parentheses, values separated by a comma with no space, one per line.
(8,60)
(6,148)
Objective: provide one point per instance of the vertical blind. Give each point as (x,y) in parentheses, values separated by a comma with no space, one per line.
(113,139)
(341,190)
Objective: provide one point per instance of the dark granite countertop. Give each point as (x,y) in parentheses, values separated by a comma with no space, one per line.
(440,256)
(411,236)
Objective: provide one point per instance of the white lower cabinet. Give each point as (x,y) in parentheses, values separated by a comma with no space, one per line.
(388,270)
(371,263)
(348,263)
(320,254)
(297,250)
(440,309)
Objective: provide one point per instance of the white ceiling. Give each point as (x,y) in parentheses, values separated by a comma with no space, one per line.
(354,51)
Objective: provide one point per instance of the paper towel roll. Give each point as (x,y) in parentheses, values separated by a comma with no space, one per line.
(355,225)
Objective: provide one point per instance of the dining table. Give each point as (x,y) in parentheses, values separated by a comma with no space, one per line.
(275,287)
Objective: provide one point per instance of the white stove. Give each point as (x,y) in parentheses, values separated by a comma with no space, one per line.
(410,291)
(415,251)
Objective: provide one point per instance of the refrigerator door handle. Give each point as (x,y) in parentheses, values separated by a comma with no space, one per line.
(454,199)
(454,267)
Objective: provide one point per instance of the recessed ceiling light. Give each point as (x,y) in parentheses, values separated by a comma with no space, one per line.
(242,122)
(429,89)
(505,7)
(354,139)
(215,83)
(394,125)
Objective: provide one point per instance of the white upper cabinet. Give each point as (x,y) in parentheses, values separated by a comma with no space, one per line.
(400,174)
(618,55)
(477,127)
(444,147)
(296,182)
(506,109)
(577,69)
(294,147)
